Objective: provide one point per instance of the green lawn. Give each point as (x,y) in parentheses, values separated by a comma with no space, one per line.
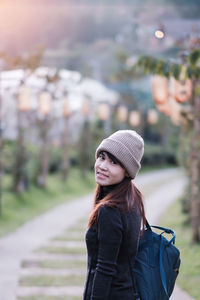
(18,210)
(69,237)
(50,280)
(55,264)
(189,275)
(63,250)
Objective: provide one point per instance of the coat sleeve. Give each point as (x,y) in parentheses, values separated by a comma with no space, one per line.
(110,231)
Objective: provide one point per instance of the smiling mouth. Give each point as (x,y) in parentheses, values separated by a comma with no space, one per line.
(99,174)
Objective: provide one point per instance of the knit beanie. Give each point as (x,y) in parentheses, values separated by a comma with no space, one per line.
(127,146)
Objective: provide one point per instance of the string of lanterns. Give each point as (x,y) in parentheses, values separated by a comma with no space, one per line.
(134,117)
(103,108)
(169,94)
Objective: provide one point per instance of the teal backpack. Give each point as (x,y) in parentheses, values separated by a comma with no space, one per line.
(156,265)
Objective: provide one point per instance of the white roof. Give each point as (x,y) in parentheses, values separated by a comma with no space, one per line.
(97,91)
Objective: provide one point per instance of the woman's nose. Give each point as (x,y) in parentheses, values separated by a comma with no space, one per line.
(103,165)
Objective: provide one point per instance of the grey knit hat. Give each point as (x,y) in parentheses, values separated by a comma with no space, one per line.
(127,146)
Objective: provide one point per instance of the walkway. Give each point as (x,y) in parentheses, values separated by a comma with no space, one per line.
(21,243)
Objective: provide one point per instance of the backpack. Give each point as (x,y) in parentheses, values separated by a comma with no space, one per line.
(156,265)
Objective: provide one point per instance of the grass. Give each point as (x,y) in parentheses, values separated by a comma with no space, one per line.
(50,280)
(189,275)
(18,210)
(79,237)
(61,250)
(75,233)
(41,297)
(55,264)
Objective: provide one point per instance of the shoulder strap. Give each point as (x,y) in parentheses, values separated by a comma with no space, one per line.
(162,271)
(168,231)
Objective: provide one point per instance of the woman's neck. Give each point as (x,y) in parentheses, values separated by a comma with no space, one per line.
(107,189)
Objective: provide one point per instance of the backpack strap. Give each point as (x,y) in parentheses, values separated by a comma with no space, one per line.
(162,271)
(168,231)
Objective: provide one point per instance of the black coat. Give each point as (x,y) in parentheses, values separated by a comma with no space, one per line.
(111,245)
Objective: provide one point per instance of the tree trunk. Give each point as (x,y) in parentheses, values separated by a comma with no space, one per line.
(20,158)
(44,159)
(65,154)
(1,165)
(85,148)
(195,172)
(1,144)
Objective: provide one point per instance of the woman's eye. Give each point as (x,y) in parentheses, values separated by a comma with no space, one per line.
(113,162)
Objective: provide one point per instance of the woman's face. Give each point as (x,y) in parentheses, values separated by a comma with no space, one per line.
(108,172)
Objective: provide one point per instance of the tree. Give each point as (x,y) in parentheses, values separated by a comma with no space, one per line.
(28,62)
(190,114)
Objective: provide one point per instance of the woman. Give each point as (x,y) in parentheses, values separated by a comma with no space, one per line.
(115,221)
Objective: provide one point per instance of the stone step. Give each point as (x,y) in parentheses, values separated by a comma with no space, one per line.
(47,256)
(68,235)
(57,272)
(50,291)
(67,244)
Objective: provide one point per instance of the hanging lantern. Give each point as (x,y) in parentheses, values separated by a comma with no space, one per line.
(165,108)
(24,95)
(56,143)
(122,113)
(66,108)
(182,88)
(134,118)
(175,111)
(160,89)
(85,108)
(152,116)
(103,111)
(172,109)
(44,102)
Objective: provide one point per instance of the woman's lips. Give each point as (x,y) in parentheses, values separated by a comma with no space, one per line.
(101,175)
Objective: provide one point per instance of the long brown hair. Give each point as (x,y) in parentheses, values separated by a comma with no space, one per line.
(124,196)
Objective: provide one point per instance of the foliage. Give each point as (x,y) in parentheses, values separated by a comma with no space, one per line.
(161,67)
(189,149)
(16,210)
(157,155)
(194,57)
(161,143)
(189,276)
(8,150)
(84,155)
(55,159)
(124,70)
(30,61)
